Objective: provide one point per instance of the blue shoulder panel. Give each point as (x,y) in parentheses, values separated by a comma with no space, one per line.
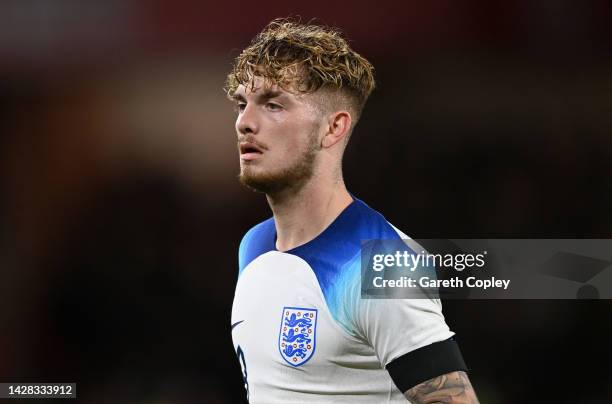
(259,240)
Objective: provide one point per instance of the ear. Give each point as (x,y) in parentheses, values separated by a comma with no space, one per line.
(339,125)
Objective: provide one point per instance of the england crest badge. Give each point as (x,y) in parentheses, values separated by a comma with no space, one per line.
(297,336)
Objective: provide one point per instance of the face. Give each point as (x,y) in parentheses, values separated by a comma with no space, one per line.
(278,137)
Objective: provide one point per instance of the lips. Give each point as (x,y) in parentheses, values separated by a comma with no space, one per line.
(247,147)
(250,151)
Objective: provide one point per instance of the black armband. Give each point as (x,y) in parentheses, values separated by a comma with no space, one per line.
(426,363)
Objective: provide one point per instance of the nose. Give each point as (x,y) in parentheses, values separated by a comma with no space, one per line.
(246,123)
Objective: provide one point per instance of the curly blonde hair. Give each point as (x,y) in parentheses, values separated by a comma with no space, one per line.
(303,58)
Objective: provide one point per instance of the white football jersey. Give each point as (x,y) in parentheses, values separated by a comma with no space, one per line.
(300,328)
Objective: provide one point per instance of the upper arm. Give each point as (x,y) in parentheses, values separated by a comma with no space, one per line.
(417,348)
(415,345)
(450,388)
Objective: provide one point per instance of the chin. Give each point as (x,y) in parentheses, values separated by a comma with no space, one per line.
(269,182)
(258,182)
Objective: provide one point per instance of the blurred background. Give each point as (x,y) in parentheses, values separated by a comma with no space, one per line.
(120,212)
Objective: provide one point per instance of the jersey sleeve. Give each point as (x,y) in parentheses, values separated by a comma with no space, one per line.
(411,339)
(410,336)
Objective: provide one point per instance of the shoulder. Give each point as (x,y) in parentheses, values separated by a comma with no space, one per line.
(258,240)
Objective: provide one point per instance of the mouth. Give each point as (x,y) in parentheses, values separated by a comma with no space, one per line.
(249,151)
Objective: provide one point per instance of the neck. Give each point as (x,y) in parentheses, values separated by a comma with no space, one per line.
(302,215)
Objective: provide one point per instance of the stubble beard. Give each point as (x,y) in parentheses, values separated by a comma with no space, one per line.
(289,178)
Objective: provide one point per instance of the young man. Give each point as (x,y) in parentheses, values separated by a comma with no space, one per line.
(301,331)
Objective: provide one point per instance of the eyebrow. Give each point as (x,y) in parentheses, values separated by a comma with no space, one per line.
(264,95)
(268,94)
(238,97)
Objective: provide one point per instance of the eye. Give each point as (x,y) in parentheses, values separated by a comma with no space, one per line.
(240,106)
(273,106)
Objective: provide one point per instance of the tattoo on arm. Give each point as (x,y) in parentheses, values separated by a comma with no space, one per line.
(451,388)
